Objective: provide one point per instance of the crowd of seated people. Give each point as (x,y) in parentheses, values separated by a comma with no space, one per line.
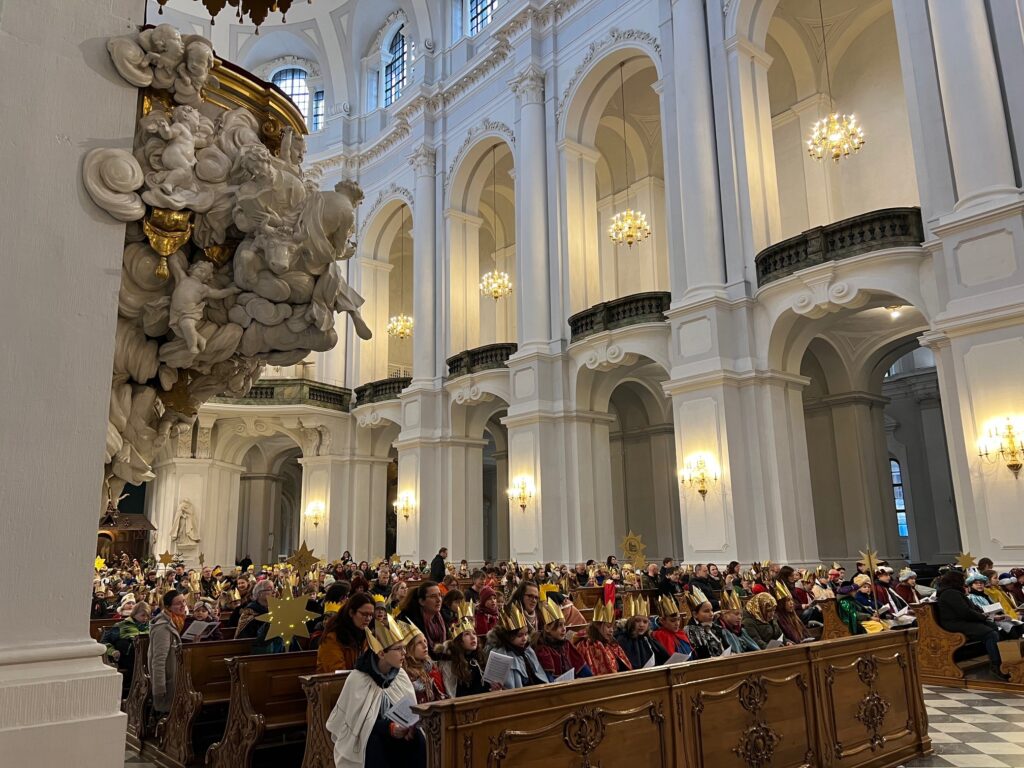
(402,630)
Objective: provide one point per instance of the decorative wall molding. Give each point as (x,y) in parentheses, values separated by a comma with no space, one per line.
(264,70)
(473,135)
(389,20)
(390,192)
(597,49)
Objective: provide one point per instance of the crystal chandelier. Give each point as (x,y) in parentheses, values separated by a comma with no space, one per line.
(495,284)
(256,10)
(836,136)
(400,325)
(627,226)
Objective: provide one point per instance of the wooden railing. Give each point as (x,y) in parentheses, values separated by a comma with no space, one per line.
(851,702)
(872,231)
(294,392)
(480,359)
(619,313)
(385,389)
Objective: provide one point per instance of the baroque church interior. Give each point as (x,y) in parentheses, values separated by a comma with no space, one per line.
(586,342)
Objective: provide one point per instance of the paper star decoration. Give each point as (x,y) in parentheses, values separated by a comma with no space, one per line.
(965,560)
(100,563)
(166,558)
(633,550)
(870,560)
(287,618)
(302,559)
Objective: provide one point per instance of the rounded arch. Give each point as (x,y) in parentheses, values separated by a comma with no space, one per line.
(383,224)
(470,171)
(593,386)
(750,19)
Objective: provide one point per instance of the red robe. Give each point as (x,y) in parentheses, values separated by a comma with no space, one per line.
(603,658)
(558,659)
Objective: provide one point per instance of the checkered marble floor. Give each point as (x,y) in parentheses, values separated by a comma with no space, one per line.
(968,729)
(972,729)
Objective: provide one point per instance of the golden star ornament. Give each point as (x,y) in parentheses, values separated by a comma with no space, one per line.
(287,618)
(965,560)
(870,560)
(633,550)
(302,559)
(100,563)
(166,558)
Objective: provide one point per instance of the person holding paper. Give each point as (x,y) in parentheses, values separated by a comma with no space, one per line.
(859,619)
(956,613)
(461,663)
(907,588)
(205,612)
(670,633)
(511,638)
(363,733)
(759,619)
(635,637)
(730,622)
(704,636)
(976,584)
(556,654)
(603,655)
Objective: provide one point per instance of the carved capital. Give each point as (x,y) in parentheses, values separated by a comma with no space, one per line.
(528,85)
(423,160)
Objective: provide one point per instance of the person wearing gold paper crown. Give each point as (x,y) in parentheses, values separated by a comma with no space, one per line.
(705,638)
(460,661)
(422,671)
(364,737)
(730,624)
(785,615)
(512,638)
(635,637)
(670,633)
(556,654)
(759,619)
(603,655)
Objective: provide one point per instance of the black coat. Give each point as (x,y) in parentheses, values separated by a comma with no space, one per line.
(956,613)
(708,587)
(437,572)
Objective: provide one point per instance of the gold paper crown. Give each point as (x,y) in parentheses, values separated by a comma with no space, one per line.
(378,600)
(667,606)
(836,566)
(730,601)
(549,611)
(630,607)
(749,576)
(463,622)
(696,598)
(604,612)
(386,632)
(781,591)
(332,607)
(512,619)
(820,571)
(411,632)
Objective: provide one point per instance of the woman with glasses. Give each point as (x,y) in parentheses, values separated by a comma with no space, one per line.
(344,637)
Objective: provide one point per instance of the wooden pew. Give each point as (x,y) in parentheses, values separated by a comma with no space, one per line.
(834,626)
(322,692)
(138,704)
(266,701)
(96,626)
(841,704)
(588,596)
(201,688)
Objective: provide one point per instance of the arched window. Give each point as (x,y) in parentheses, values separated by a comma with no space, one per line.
(395,67)
(293,82)
(480,14)
(897,494)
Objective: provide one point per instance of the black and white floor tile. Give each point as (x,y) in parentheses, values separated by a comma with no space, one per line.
(968,729)
(974,729)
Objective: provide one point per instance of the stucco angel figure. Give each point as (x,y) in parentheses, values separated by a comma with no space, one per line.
(194,70)
(185,528)
(170,154)
(189,298)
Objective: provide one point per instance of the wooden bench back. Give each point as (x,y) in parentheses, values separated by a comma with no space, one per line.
(935,648)
(589,596)
(272,685)
(204,664)
(137,705)
(96,626)
(322,692)
(846,703)
(834,627)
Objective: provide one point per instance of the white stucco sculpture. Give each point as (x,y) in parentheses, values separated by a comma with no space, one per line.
(232,255)
(185,528)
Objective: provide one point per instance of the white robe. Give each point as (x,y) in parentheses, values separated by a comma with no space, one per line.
(358,707)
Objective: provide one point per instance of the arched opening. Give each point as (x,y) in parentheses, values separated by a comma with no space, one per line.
(494,503)
(400,287)
(481,231)
(270,494)
(612,164)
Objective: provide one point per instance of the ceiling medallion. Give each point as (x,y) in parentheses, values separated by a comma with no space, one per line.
(256,10)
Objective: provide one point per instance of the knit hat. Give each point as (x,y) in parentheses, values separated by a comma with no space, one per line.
(976,576)
(485,594)
(846,589)
(861,579)
(906,573)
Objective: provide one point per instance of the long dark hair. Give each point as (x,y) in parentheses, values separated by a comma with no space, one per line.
(460,659)
(517,595)
(410,606)
(344,628)
(953,580)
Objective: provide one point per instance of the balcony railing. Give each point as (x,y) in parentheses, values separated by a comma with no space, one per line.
(385,389)
(619,313)
(872,231)
(480,359)
(294,392)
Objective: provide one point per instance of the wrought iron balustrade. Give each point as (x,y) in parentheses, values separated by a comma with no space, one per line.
(294,392)
(384,389)
(482,358)
(638,308)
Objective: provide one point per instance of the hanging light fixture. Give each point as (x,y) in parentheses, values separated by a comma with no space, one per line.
(627,226)
(400,326)
(256,10)
(495,284)
(836,136)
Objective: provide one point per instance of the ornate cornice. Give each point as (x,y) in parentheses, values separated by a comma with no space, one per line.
(423,160)
(389,20)
(311,68)
(389,192)
(596,49)
(528,85)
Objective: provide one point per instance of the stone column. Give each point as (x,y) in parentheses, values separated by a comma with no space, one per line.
(579,176)
(424,356)
(373,279)
(260,500)
(533,297)
(324,481)
(699,264)
(464,278)
(972,103)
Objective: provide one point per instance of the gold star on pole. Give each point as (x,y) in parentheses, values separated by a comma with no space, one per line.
(287,618)
(100,563)
(965,560)
(870,560)
(302,559)
(633,550)
(166,558)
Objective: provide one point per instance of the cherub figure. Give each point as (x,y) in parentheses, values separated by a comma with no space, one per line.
(189,298)
(164,49)
(194,70)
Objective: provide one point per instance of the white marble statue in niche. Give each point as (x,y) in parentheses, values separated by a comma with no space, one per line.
(185,528)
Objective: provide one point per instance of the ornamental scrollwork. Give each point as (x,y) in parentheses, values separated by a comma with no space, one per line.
(757,745)
(871,712)
(583,732)
(867,670)
(752,694)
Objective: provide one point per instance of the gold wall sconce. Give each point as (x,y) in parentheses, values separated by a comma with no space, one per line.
(521,492)
(699,473)
(1002,442)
